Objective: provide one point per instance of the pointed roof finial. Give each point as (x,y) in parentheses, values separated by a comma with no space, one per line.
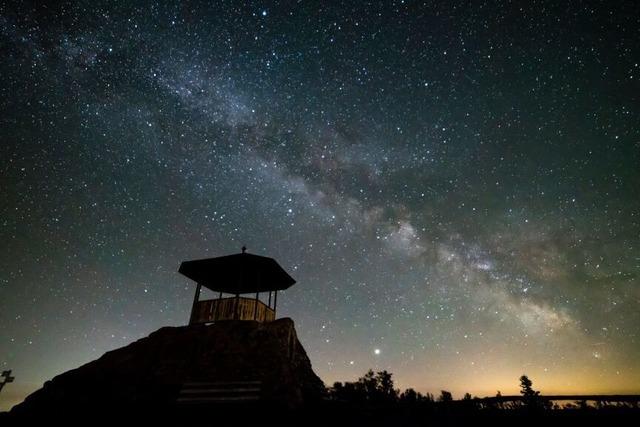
(244,249)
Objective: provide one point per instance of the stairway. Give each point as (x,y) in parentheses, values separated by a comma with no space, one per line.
(219,392)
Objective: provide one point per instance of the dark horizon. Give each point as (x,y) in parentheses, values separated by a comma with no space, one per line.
(454,187)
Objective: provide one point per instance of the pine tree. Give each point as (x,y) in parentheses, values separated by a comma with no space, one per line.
(531,397)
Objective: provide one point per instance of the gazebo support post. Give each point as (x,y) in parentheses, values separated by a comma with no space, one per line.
(237,308)
(196,298)
(255,309)
(275,301)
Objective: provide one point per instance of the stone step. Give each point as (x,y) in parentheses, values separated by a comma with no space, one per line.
(220,384)
(218,399)
(222,391)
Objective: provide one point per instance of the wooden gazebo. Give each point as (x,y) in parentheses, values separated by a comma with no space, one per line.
(232,276)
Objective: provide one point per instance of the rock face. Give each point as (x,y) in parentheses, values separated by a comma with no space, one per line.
(155,371)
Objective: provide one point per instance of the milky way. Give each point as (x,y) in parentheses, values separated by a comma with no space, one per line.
(455,188)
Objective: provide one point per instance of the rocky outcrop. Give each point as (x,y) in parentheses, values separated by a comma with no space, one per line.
(154,371)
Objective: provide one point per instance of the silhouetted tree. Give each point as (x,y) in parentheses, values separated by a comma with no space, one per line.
(373,387)
(369,384)
(347,392)
(445,396)
(411,396)
(385,386)
(532,399)
(337,391)
(526,387)
(468,404)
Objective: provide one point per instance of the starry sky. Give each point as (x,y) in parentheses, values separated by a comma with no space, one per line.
(455,186)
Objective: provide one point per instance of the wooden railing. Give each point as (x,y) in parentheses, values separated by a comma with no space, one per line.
(232,308)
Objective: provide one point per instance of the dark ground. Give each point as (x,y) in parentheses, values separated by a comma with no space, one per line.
(328,413)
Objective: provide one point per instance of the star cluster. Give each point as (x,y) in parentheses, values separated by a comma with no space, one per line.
(455,186)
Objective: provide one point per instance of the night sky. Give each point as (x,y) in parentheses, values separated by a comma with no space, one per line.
(455,188)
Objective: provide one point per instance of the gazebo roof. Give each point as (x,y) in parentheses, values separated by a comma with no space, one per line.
(238,274)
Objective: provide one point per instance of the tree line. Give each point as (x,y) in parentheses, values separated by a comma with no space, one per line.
(377,388)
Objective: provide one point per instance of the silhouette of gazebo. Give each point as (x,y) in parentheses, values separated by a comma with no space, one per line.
(236,274)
